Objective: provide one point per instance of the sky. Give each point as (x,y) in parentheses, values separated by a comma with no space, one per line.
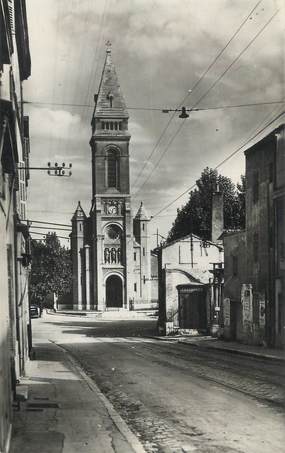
(161,49)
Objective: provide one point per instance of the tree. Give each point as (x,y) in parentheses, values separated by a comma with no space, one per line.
(51,270)
(195,216)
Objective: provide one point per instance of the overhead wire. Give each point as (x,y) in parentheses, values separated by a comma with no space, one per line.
(54,228)
(209,89)
(45,234)
(65,85)
(47,223)
(221,107)
(220,164)
(192,90)
(96,58)
(226,46)
(80,62)
(162,155)
(237,58)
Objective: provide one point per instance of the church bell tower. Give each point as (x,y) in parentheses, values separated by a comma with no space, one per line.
(112,241)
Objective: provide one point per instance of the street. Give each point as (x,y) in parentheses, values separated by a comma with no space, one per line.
(175,397)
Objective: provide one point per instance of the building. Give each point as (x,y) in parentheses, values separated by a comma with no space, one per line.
(15,66)
(254,292)
(110,248)
(190,279)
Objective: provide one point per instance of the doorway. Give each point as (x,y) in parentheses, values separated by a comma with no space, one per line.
(114,292)
(192,308)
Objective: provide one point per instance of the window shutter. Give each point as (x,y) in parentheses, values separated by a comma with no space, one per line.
(21,205)
(11,15)
(26,146)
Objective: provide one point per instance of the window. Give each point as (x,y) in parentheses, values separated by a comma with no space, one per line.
(143,251)
(144,279)
(143,226)
(112,169)
(135,256)
(255,187)
(112,245)
(135,287)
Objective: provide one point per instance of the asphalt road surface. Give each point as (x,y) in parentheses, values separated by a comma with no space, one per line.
(174,397)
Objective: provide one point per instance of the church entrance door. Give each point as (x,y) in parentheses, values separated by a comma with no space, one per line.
(114,292)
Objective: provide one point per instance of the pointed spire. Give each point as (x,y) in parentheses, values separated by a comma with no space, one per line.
(110,102)
(142,214)
(79,213)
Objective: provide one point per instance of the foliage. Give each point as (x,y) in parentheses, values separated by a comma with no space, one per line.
(51,270)
(196,215)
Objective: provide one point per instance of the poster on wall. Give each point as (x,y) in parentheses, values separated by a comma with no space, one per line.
(262,310)
(227,312)
(246,300)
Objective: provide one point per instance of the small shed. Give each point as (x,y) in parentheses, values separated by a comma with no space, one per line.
(185,284)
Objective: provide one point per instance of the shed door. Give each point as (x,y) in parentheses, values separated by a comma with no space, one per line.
(192,309)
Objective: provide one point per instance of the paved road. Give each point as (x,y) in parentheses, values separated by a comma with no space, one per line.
(173,396)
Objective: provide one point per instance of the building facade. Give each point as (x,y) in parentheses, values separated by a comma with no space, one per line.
(110,248)
(15,67)
(185,284)
(190,279)
(254,258)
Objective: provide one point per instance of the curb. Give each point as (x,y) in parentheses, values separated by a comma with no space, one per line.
(220,348)
(235,351)
(60,313)
(114,415)
(152,337)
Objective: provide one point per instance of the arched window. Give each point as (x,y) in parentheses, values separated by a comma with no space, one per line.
(112,169)
(113,245)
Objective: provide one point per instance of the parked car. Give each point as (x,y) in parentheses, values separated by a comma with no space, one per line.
(35,311)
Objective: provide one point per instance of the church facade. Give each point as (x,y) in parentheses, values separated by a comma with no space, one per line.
(110,249)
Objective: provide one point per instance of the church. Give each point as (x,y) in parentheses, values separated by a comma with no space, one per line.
(110,249)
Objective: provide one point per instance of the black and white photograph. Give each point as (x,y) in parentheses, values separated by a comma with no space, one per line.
(142,226)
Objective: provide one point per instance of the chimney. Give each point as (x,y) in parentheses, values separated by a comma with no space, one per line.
(217,214)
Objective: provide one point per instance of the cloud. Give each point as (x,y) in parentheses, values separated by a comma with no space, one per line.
(160,49)
(46,122)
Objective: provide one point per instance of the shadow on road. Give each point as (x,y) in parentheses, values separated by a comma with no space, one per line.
(111,329)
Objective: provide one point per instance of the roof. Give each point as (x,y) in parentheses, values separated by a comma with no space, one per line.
(110,102)
(188,236)
(265,137)
(142,214)
(230,232)
(79,213)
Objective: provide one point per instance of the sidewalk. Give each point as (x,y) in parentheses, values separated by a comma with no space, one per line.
(66,412)
(234,347)
(207,342)
(124,315)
